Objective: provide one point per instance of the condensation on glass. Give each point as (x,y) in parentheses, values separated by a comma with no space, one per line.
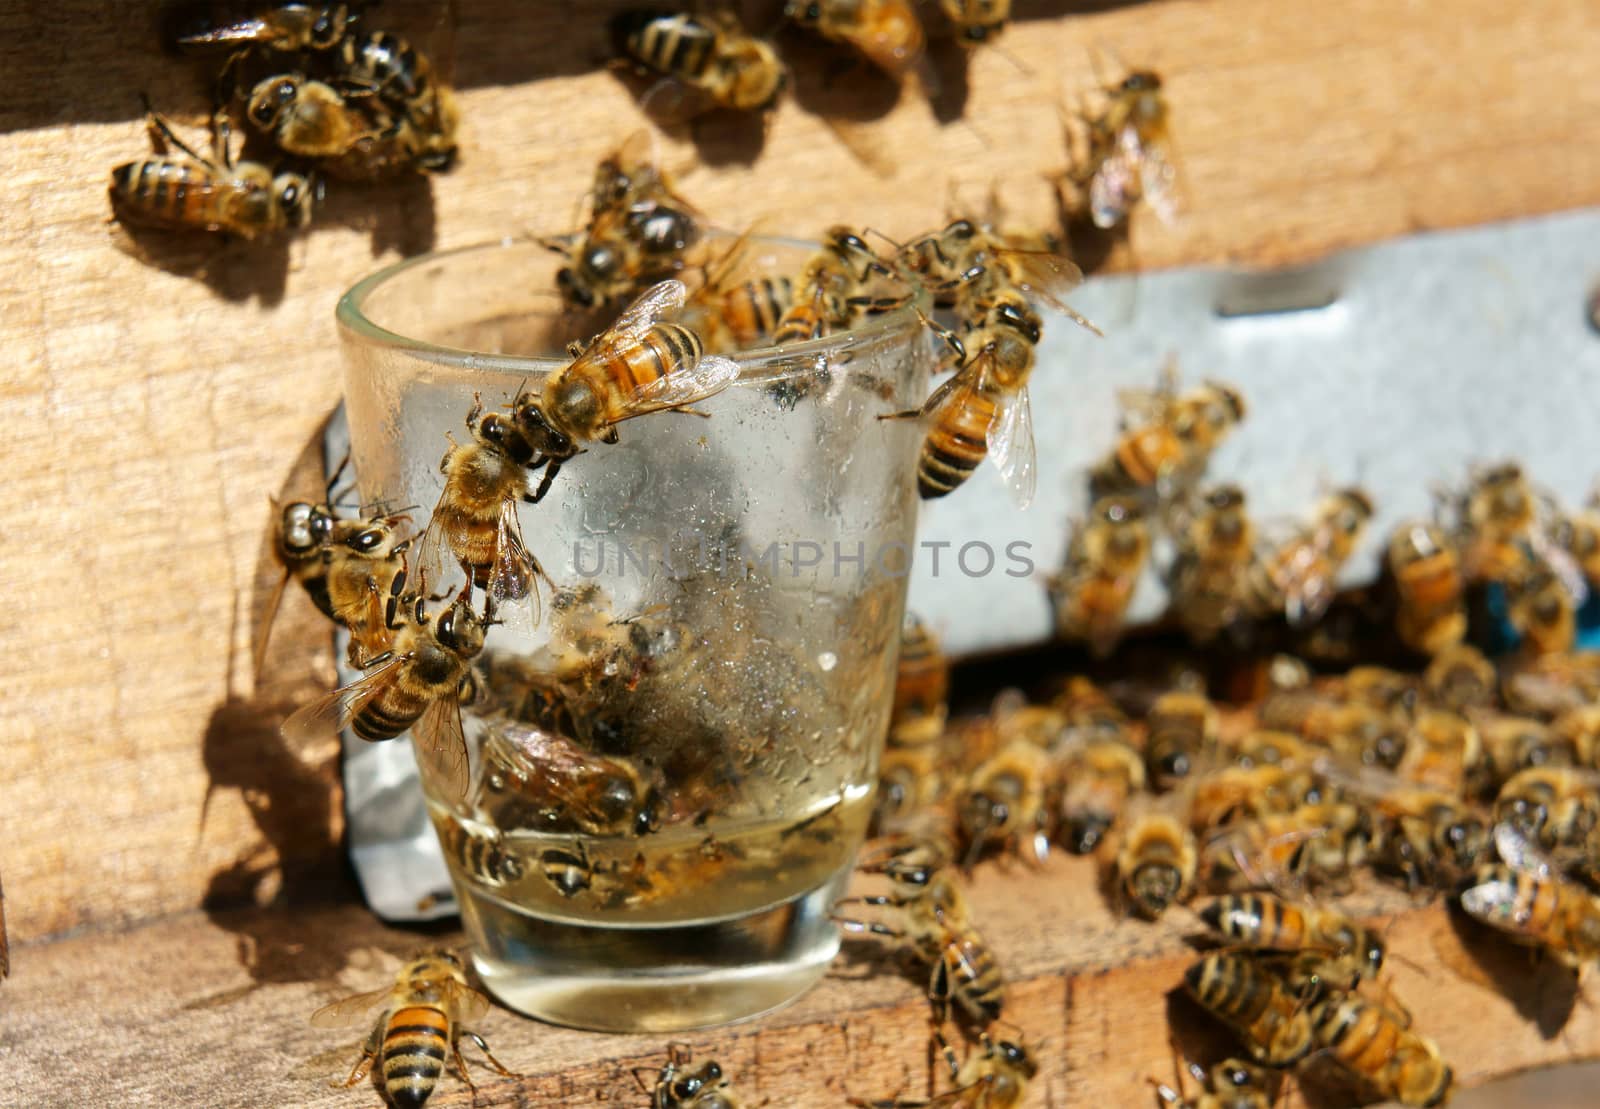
(672,770)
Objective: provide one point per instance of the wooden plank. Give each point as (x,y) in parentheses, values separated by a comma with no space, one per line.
(150,412)
(213,1011)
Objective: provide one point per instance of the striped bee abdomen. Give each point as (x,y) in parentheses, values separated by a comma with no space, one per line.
(956,445)
(678,45)
(415,1043)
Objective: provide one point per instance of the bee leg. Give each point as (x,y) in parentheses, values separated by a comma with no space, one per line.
(369,1055)
(687,411)
(611,435)
(551,469)
(908,414)
(487,1054)
(867,926)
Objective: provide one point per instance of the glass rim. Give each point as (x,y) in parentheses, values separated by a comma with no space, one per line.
(756,362)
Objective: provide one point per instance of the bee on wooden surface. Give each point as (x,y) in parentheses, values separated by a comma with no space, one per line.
(682,1086)
(935,925)
(838,282)
(995,1077)
(636,366)
(537,781)
(1459,678)
(1342,951)
(309,118)
(1209,575)
(1427,575)
(886,32)
(1182,727)
(1230,1084)
(1004,803)
(1166,438)
(1353,731)
(1378,1045)
(710,59)
(1555,807)
(1443,751)
(1156,860)
(921,687)
(1313,846)
(910,780)
(1098,776)
(484,857)
(1244,994)
(1128,155)
(1299,576)
(982,411)
(197,193)
(416,684)
(1268,747)
(475,523)
(1096,583)
(1230,793)
(1542,611)
(400,77)
(1526,898)
(1428,838)
(347,567)
(425,1016)
(976,22)
(287,27)
(1090,714)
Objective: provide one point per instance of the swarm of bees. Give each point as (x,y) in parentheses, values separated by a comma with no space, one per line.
(318,95)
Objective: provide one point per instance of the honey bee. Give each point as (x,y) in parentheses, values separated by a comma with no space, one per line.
(1096,583)
(976,22)
(1005,805)
(286,27)
(678,1086)
(1182,728)
(1128,156)
(347,567)
(1428,838)
(483,857)
(1099,775)
(1554,807)
(1244,994)
(1379,1046)
(1459,678)
(1341,951)
(423,1021)
(910,779)
(1230,1084)
(1578,729)
(1353,730)
(537,781)
(1317,844)
(475,522)
(384,65)
(837,283)
(309,118)
(709,57)
(936,926)
(1231,793)
(415,684)
(1526,898)
(1156,861)
(1298,577)
(1512,744)
(209,194)
(1427,574)
(637,366)
(996,1077)
(1215,552)
(1444,750)
(1090,715)
(1543,611)
(1166,437)
(1267,747)
(921,687)
(1494,516)
(886,32)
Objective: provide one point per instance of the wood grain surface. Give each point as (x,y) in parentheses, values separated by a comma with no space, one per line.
(212,1010)
(151,409)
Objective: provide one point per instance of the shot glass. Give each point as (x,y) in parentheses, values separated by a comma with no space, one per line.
(673,768)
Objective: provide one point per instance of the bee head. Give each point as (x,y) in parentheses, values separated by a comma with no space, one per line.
(271,98)
(329,28)
(1141,81)
(502,434)
(1016,1056)
(574,291)
(458,628)
(540,435)
(305,527)
(297,198)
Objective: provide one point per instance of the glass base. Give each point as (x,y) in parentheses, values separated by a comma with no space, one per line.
(656,978)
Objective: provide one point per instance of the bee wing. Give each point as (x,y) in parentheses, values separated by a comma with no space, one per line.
(1010,441)
(653,304)
(1158,175)
(1112,189)
(469,1004)
(240,31)
(1519,853)
(709,375)
(1047,276)
(351,1010)
(331,714)
(436,563)
(514,577)
(441,746)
